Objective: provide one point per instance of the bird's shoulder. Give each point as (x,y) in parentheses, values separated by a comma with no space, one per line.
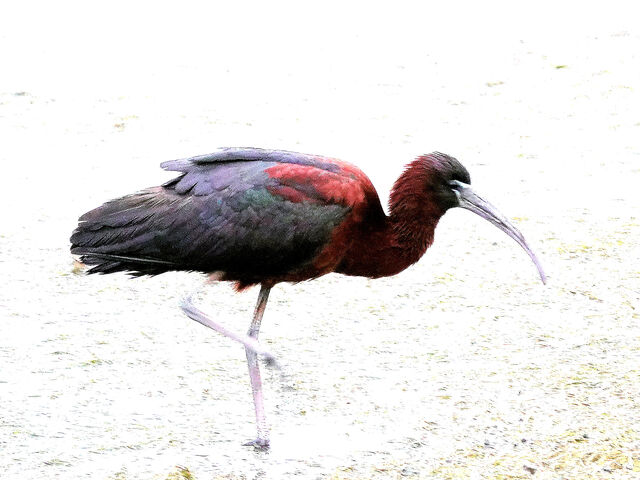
(292,176)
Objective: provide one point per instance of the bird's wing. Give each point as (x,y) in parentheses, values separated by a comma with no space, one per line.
(247,214)
(324,179)
(235,154)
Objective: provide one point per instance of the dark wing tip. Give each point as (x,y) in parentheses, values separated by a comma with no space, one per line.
(239,154)
(224,154)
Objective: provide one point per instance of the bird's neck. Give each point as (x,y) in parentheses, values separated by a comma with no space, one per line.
(401,238)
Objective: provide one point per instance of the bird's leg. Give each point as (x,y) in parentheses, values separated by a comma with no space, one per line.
(262,441)
(250,343)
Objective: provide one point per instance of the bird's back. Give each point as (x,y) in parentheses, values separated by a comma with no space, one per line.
(255,215)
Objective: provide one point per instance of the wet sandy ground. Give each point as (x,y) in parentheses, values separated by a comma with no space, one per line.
(464,366)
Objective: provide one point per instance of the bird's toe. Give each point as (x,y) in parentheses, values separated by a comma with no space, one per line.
(261,444)
(271,362)
(186,304)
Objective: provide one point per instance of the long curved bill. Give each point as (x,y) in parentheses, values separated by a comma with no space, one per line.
(469,200)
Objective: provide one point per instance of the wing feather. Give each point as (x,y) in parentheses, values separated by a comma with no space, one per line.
(225,212)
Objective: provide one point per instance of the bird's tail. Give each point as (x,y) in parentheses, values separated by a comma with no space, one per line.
(122,235)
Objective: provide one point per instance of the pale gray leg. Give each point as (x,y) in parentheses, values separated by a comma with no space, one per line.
(254,372)
(248,341)
(252,349)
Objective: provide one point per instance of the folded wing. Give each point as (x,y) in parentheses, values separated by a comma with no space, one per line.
(251,213)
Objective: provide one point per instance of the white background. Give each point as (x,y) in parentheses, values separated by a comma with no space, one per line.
(441,371)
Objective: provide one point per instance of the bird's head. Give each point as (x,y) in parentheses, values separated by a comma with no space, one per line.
(450,186)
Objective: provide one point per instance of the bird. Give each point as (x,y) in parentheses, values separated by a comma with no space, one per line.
(261,217)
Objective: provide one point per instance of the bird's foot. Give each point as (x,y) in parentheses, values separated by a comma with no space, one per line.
(270,361)
(261,444)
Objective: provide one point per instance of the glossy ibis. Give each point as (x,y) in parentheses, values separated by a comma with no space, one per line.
(254,216)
